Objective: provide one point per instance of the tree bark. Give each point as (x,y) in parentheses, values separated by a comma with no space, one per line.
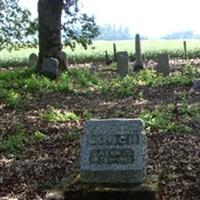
(49,16)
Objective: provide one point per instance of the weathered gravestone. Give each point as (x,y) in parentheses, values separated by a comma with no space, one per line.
(122,63)
(185,50)
(114,52)
(138,65)
(196,86)
(66,63)
(163,64)
(113,151)
(50,68)
(33,59)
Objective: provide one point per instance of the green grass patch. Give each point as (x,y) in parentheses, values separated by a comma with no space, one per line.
(96,52)
(171,118)
(20,85)
(55,115)
(14,144)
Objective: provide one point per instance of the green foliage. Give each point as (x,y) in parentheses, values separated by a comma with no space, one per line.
(119,86)
(55,115)
(14,144)
(78,28)
(95,52)
(83,77)
(87,115)
(171,118)
(38,136)
(14,25)
(160,119)
(10,97)
(39,83)
(64,83)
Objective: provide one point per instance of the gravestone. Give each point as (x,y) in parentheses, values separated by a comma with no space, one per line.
(114,52)
(93,68)
(163,64)
(66,63)
(138,65)
(122,63)
(185,50)
(113,151)
(50,68)
(33,59)
(196,85)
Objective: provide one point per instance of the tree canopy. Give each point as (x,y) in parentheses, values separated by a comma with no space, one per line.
(18,30)
(15,25)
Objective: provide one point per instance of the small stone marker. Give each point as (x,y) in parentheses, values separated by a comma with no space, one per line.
(185,50)
(50,67)
(138,65)
(163,64)
(114,52)
(122,63)
(93,68)
(65,58)
(196,85)
(113,151)
(33,59)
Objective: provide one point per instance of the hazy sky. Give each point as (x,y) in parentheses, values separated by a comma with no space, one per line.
(148,17)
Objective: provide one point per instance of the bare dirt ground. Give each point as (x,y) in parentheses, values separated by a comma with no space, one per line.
(175,158)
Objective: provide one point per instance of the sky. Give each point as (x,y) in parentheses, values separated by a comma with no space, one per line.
(151,18)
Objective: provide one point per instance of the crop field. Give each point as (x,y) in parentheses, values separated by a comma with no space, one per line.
(96,52)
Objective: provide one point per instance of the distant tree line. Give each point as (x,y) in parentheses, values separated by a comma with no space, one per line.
(181,35)
(113,32)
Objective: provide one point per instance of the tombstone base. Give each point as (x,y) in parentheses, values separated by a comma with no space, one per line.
(148,190)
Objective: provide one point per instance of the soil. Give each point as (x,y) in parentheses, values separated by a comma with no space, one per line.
(175,158)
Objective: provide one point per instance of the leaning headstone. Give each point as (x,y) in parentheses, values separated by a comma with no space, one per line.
(122,63)
(163,64)
(113,151)
(33,59)
(138,65)
(50,68)
(196,86)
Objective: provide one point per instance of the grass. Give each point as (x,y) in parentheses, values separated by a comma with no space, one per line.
(171,118)
(20,86)
(55,115)
(14,144)
(96,52)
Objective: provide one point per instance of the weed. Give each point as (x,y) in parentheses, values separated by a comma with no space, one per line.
(14,144)
(38,136)
(55,115)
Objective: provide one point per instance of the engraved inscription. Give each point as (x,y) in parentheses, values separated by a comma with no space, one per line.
(111,156)
(111,139)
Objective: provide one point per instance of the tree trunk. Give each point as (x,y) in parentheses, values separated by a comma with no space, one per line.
(49,15)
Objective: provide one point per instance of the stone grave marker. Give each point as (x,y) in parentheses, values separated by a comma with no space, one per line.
(163,64)
(65,58)
(33,59)
(122,63)
(196,86)
(113,151)
(138,65)
(185,50)
(114,52)
(50,67)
